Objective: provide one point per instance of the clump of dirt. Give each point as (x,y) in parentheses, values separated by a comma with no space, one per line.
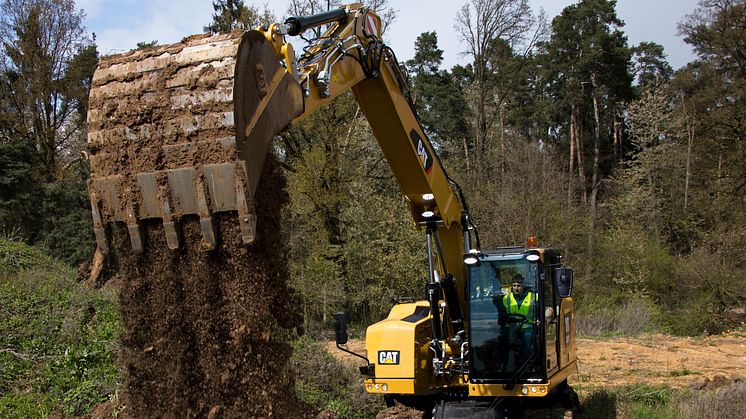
(714,383)
(400,411)
(205,332)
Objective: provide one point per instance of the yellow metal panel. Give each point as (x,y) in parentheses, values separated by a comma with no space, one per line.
(391,343)
(390,386)
(532,390)
(568,345)
(498,390)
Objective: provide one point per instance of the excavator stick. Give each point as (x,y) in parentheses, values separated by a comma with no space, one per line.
(183,130)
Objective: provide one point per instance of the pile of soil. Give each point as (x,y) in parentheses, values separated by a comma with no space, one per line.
(205,332)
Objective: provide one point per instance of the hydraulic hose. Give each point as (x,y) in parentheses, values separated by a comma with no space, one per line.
(296,25)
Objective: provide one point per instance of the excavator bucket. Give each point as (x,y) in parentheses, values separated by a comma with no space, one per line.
(183,130)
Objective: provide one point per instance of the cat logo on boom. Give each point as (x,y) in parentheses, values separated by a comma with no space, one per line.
(388,357)
(422,151)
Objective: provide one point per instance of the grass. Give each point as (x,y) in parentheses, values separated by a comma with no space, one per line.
(662,402)
(329,385)
(57,339)
(684,372)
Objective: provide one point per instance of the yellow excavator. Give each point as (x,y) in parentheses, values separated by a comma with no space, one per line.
(182,131)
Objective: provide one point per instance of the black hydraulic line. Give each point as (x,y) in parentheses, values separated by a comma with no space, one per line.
(433,291)
(433,295)
(454,307)
(296,25)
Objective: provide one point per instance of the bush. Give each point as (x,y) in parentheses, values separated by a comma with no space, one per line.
(662,402)
(325,383)
(54,214)
(56,338)
(16,256)
(726,402)
(600,315)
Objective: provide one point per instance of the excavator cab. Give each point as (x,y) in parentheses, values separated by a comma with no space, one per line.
(503,320)
(522,335)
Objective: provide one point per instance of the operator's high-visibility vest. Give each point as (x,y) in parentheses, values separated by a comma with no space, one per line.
(525,308)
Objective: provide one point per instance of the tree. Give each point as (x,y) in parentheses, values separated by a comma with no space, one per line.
(439,100)
(47,62)
(651,67)
(492,30)
(589,60)
(234,14)
(716,32)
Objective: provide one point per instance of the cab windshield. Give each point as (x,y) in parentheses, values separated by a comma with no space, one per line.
(503,309)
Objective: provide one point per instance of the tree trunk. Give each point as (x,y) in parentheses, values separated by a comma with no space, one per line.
(579,154)
(571,175)
(617,140)
(501,160)
(466,156)
(689,142)
(595,183)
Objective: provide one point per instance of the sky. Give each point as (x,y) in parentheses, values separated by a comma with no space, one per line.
(120,24)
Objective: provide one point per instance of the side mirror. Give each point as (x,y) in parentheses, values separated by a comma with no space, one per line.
(563,282)
(340,327)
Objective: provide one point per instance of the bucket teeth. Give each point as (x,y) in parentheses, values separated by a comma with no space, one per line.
(209,238)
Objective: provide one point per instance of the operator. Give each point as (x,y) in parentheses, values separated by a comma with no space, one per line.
(516,308)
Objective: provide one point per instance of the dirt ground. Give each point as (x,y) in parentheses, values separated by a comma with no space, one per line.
(660,359)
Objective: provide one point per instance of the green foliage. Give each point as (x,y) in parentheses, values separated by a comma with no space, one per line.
(56,338)
(385,253)
(19,193)
(439,101)
(353,244)
(146,45)
(235,14)
(651,67)
(16,257)
(53,214)
(66,219)
(44,97)
(325,383)
(684,372)
(663,402)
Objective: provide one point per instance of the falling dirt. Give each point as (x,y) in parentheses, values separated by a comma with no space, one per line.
(203,331)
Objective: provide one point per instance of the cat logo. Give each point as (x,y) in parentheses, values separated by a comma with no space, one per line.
(422,151)
(388,357)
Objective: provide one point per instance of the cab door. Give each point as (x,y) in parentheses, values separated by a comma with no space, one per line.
(550,312)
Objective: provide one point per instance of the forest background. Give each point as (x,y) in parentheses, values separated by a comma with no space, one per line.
(560,130)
